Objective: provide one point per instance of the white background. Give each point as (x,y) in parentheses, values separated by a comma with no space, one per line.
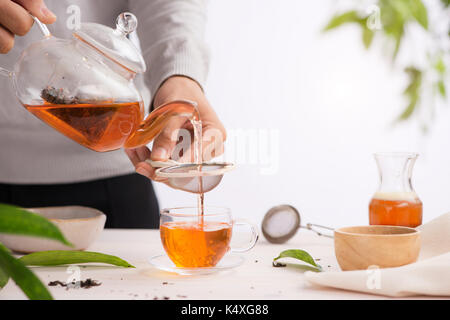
(333,104)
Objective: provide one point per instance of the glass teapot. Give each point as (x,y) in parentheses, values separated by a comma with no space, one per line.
(83,87)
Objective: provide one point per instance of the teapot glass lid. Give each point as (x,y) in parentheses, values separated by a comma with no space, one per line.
(113,43)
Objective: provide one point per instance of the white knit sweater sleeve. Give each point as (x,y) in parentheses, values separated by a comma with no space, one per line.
(171,35)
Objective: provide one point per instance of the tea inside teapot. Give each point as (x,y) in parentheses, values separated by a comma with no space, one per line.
(100,126)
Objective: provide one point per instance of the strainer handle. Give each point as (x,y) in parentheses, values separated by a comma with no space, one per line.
(313,227)
(254,238)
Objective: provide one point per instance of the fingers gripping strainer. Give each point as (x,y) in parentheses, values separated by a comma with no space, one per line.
(282,222)
(191,177)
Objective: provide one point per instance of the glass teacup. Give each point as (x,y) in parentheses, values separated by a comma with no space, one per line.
(197,241)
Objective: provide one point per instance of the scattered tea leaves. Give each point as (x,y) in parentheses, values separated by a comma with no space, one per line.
(85,284)
(278,264)
(299,255)
(61,257)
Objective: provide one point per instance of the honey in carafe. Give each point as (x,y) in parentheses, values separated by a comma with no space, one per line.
(395,202)
(401,209)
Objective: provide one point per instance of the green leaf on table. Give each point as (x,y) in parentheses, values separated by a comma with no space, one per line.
(299,255)
(28,282)
(20,221)
(340,19)
(61,257)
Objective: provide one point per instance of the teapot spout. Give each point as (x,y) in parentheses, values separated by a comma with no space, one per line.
(157,120)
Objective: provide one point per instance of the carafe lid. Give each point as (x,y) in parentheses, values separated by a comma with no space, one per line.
(113,43)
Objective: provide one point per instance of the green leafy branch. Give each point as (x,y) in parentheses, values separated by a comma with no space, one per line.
(16,220)
(393,17)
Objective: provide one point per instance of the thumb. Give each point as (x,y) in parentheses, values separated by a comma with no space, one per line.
(165,142)
(38,9)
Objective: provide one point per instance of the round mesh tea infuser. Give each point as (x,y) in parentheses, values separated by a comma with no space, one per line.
(282,222)
(191,177)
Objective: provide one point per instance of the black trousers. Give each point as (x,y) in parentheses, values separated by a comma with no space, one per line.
(128,201)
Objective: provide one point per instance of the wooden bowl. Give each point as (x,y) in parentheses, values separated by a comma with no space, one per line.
(81,226)
(358,248)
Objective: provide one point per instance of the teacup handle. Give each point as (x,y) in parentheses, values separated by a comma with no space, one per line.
(254,239)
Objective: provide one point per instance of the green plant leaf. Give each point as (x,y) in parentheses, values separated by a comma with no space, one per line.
(398,36)
(441,88)
(340,19)
(419,12)
(367,36)
(61,257)
(20,221)
(412,91)
(3,278)
(299,255)
(439,66)
(28,282)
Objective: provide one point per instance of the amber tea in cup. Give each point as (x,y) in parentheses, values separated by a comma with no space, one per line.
(198,241)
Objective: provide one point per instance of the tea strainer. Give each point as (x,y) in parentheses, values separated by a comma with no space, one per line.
(282,222)
(191,177)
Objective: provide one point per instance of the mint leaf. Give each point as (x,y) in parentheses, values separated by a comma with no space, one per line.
(299,255)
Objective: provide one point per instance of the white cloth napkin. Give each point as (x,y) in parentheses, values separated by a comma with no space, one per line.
(430,275)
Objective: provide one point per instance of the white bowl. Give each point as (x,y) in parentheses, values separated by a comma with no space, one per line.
(80,225)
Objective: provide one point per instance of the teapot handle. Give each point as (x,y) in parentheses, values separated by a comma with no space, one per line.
(45,32)
(5,72)
(42,27)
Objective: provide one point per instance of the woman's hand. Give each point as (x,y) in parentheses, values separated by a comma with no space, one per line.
(214,133)
(15,19)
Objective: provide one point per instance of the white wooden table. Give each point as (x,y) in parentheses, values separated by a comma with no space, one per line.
(255,279)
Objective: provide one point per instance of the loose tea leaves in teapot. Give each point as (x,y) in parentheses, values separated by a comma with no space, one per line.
(58,96)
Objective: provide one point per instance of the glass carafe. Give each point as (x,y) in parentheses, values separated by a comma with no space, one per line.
(395,202)
(84,86)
